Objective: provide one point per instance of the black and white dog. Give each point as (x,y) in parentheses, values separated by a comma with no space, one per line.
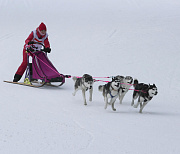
(144,93)
(84,83)
(126,83)
(110,90)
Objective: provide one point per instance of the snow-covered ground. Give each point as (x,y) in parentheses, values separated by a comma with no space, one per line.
(140,38)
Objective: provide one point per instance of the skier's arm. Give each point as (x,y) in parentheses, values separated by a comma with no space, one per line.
(46,43)
(30,37)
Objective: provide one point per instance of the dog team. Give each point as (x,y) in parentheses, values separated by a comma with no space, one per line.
(118,87)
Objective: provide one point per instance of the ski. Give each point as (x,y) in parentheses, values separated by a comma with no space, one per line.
(24,84)
(49,83)
(52,85)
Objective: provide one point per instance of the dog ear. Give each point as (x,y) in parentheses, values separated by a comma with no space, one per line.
(84,75)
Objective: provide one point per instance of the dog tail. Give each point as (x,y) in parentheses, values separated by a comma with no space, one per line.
(74,78)
(100,88)
(135,82)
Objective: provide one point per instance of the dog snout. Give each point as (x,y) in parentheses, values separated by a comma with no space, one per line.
(90,87)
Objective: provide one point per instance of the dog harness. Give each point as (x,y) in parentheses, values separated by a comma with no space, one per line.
(85,86)
(111,94)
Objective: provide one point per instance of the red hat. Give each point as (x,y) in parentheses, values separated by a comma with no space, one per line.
(42,26)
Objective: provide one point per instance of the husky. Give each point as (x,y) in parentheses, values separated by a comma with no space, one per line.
(84,83)
(144,93)
(126,83)
(110,90)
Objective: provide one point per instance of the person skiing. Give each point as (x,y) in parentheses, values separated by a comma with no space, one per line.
(39,35)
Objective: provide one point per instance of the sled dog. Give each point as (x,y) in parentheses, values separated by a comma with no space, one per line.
(126,83)
(110,90)
(144,93)
(84,83)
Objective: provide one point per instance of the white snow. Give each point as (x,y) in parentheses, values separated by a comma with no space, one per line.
(140,38)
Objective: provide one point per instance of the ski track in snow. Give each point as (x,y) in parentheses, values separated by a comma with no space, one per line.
(82,136)
(7,36)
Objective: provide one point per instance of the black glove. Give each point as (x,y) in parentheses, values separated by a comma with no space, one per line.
(30,42)
(67,76)
(30,50)
(47,50)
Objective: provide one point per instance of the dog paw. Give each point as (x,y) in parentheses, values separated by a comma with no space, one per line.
(114,109)
(73,94)
(135,106)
